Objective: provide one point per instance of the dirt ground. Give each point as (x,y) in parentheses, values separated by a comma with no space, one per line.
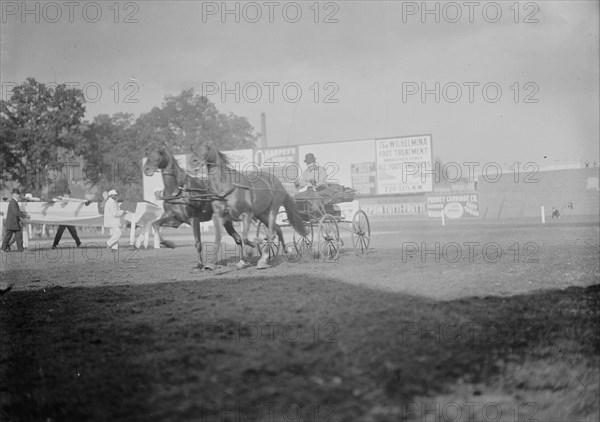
(467,322)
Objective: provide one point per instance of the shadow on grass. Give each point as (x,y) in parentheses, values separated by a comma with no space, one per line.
(239,348)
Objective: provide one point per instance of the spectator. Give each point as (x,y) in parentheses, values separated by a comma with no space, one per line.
(13,222)
(147,228)
(112,220)
(61,228)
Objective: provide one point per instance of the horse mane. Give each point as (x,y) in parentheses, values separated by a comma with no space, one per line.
(171,157)
(215,155)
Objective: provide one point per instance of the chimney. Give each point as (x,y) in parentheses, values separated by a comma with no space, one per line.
(263,130)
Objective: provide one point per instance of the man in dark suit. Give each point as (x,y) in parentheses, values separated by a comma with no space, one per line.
(13,222)
(62,227)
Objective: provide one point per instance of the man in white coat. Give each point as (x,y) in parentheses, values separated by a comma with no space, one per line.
(112,220)
(147,228)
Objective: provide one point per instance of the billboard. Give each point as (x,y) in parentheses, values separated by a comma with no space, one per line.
(453,205)
(401,165)
(281,162)
(337,158)
(390,166)
(364,177)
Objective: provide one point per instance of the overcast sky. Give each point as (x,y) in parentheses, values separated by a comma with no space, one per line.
(353,70)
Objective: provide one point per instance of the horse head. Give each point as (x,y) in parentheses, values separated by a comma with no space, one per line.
(207,155)
(157,160)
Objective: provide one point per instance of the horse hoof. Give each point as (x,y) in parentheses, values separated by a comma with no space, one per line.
(240,265)
(262,265)
(168,244)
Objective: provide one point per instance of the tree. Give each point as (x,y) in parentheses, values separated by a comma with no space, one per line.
(187,120)
(113,155)
(115,145)
(38,124)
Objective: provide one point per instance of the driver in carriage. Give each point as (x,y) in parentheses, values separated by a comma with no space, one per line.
(317,190)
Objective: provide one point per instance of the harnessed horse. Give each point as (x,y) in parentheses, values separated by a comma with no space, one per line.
(245,197)
(185,199)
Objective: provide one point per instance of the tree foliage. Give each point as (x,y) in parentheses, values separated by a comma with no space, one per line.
(37,124)
(41,126)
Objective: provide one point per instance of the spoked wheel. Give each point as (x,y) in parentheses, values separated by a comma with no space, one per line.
(361,232)
(261,236)
(329,237)
(303,244)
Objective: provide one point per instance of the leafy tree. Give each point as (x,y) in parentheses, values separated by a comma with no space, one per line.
(37,125)
(112,155)
(186,120)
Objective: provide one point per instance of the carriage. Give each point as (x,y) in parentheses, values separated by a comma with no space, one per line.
(323,220)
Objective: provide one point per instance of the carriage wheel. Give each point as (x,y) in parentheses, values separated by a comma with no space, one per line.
(261,236)
(329,237)
(302,243)
(361,232)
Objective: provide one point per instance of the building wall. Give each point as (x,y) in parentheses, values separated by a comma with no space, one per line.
(508,198)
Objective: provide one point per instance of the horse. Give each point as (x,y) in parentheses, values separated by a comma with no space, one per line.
(179,203)
(247,197)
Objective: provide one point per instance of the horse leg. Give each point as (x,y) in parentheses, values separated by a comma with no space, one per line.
(198,242)
(217,223)
(235,235)
(160,222)
(280,236)
(246,219)
(262,263)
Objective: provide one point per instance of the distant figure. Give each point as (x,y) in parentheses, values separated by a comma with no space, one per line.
(555,213)
(112,220)
(147,228)
(102,203)
(587,164)
(62,227)
(14,215)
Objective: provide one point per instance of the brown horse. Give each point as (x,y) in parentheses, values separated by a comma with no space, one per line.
(244,197)
(183,201)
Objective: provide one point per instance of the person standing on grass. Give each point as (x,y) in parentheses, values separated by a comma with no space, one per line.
(147,228)
(13,222)
(62,227)
(112,220)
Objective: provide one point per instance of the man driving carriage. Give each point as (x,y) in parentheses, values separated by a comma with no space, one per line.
(319,194)
(314,175)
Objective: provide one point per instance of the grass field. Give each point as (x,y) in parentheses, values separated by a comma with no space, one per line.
(396,334)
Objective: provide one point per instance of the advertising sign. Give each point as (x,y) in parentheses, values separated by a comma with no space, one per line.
(402,165)
(453,206)
(364,176)
(281,162)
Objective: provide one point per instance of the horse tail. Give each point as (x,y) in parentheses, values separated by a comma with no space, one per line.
(293,215)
